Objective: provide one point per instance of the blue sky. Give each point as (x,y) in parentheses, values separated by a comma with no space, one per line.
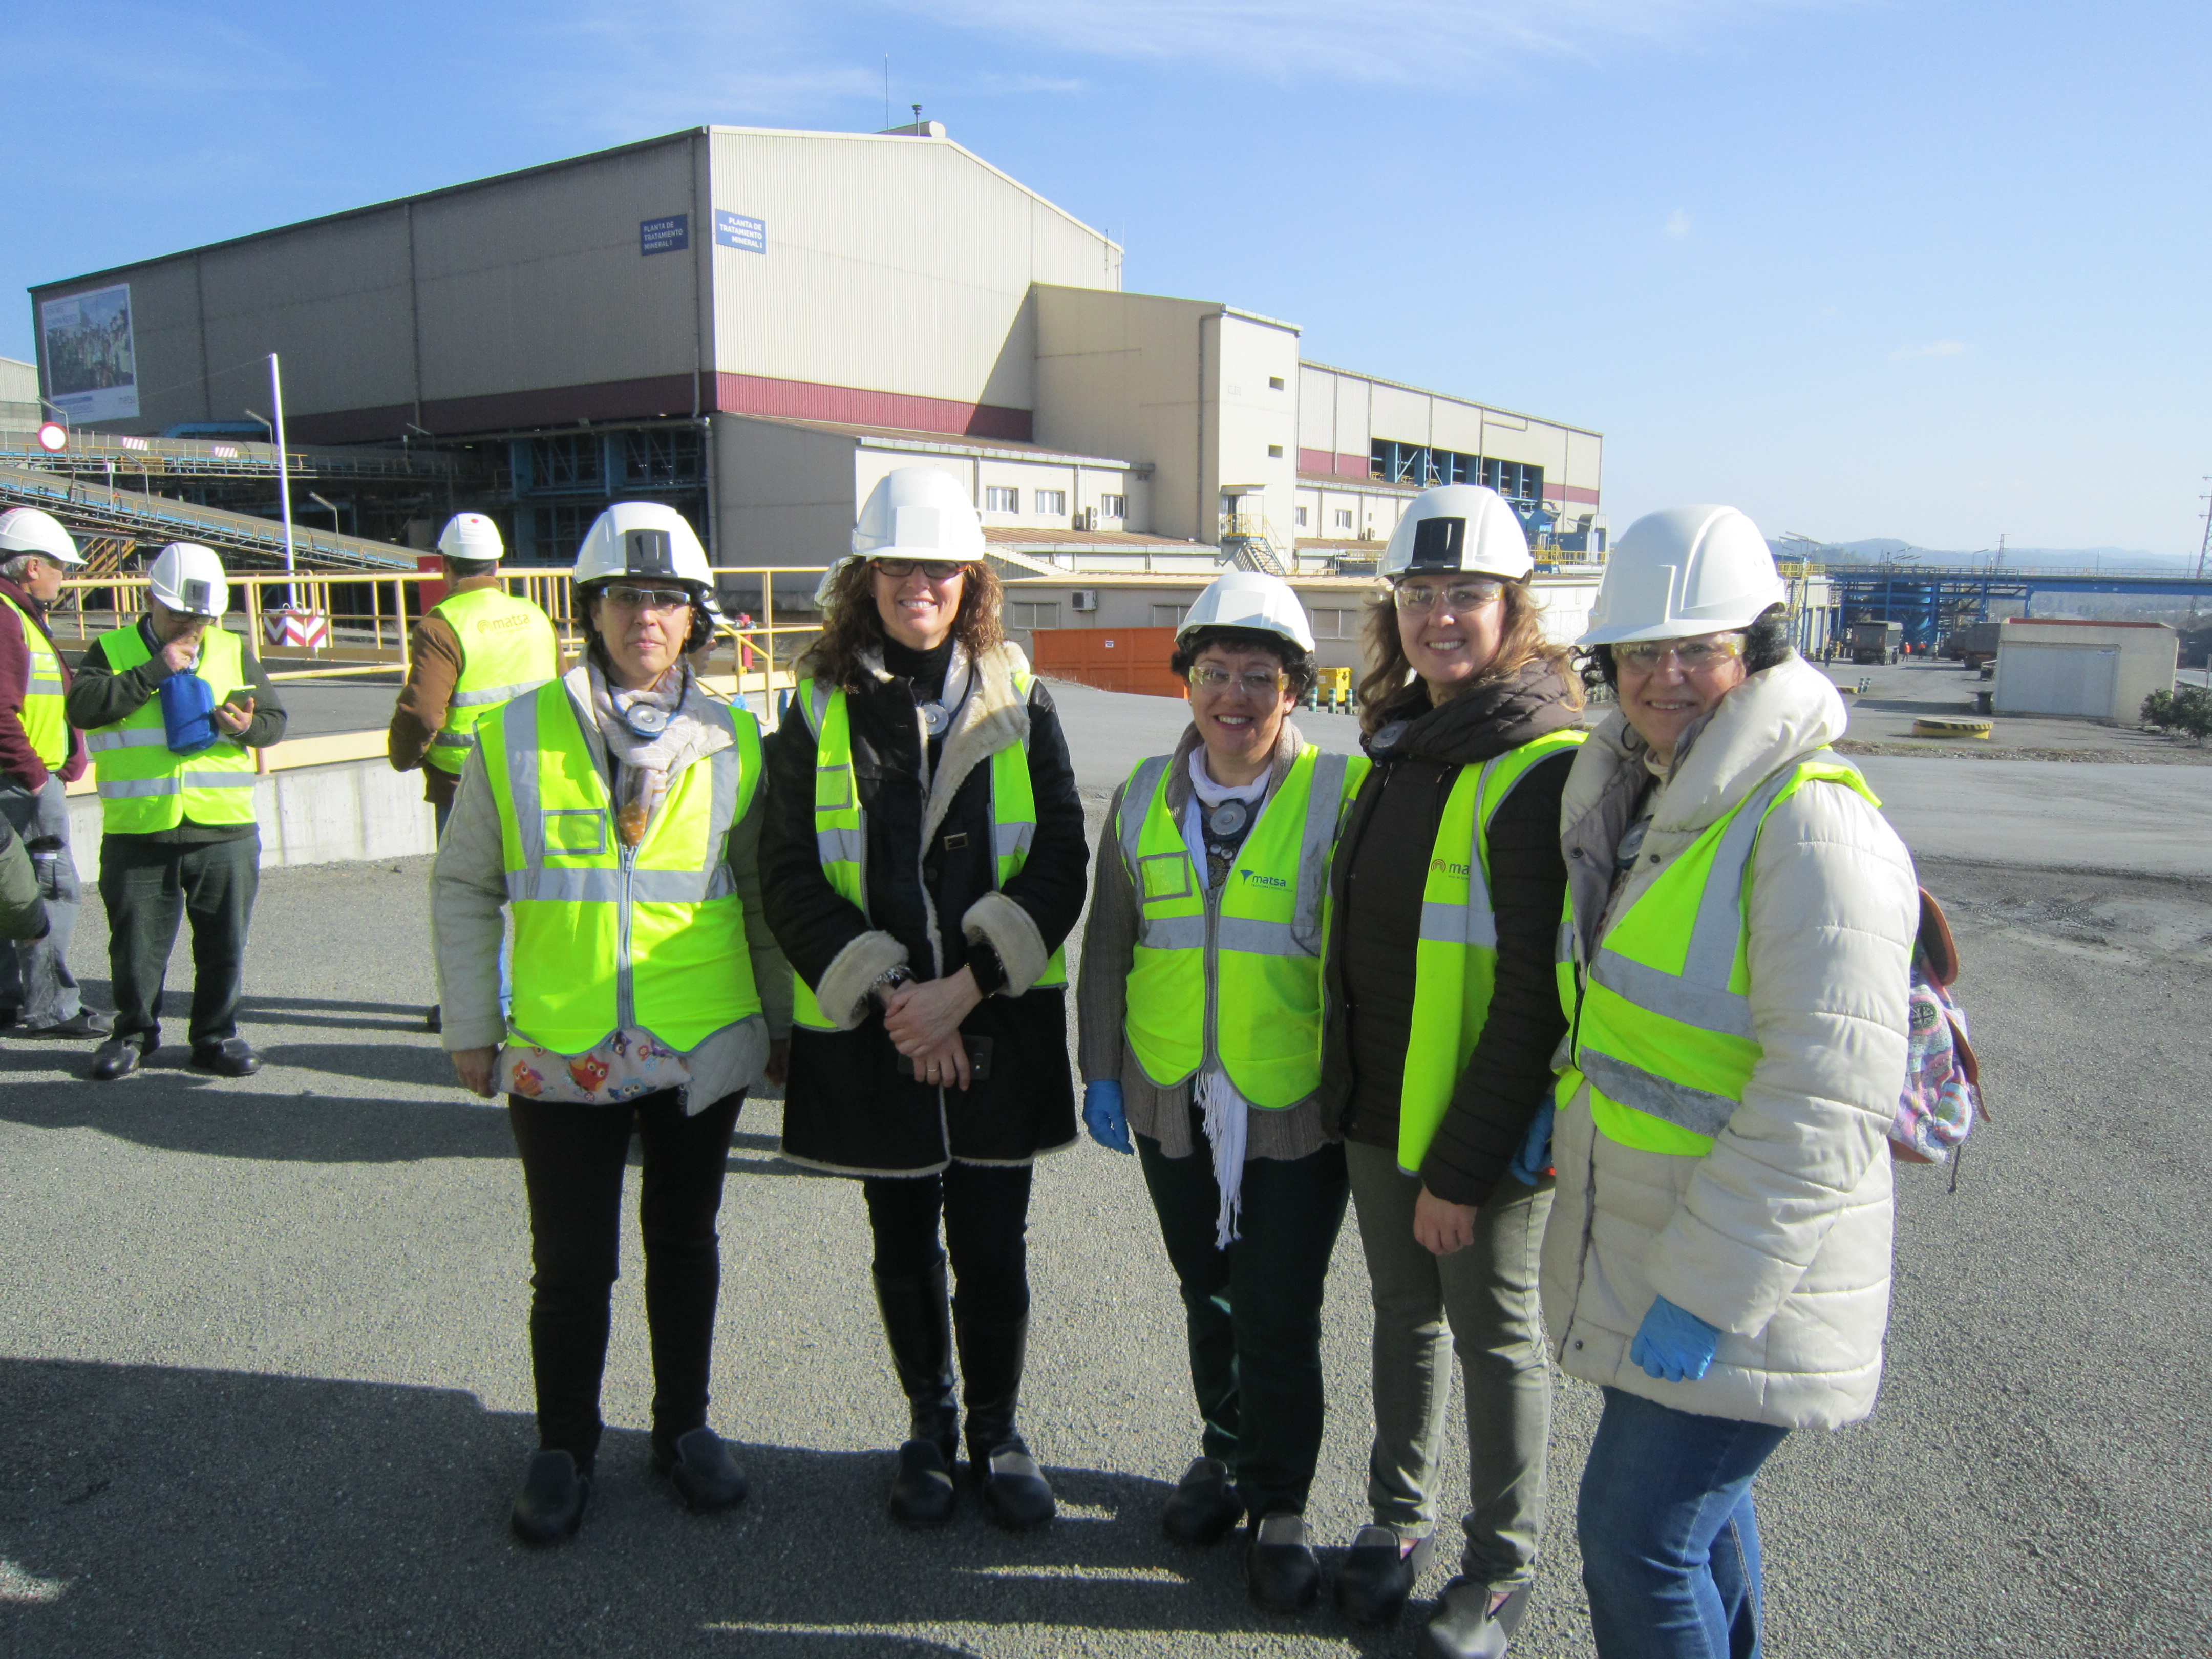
(1929,270)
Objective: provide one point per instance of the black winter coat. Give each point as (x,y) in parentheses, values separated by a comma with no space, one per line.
(847,1108)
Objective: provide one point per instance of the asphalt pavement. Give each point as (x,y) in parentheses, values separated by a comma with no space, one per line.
(265,1389)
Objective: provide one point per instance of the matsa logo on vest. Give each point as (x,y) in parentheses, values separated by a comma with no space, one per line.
(1275,881)
(1445,865)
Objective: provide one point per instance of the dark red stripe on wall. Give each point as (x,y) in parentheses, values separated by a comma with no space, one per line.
(805,400)
(1316,460)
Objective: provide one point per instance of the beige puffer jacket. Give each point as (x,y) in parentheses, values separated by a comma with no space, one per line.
(1780,1235)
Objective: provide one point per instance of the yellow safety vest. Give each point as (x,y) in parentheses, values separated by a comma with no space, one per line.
(1660,1015)
(1234,973)
(1455,962)
(841,828)
(44,722)
(608,936)
(144,786)
(507,648)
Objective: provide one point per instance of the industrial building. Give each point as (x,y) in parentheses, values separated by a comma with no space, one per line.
(755,325)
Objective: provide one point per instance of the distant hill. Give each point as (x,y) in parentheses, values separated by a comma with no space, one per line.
(1879,549)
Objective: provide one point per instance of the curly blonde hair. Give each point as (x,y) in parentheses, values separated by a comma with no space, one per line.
(851,627)
(1389,689)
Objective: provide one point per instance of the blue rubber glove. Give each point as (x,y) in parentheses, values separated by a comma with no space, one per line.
(1530,1163)
(1103,1117)
(1673,1345)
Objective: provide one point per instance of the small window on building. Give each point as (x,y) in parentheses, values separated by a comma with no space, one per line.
(1335,625)
(1344,517)
(1035,614)
(1274,451)
(1275,383)
(1298,514)
(996,500)
(1170,615)
(1113,506)
(1049,501)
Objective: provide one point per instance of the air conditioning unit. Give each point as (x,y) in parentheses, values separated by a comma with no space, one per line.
(1087,520)
(1085,599)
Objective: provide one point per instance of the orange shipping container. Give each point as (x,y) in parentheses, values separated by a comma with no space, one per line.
(1111,658)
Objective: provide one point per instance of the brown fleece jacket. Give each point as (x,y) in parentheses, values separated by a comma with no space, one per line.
(434,668)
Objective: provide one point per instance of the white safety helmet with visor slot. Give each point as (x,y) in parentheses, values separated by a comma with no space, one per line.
(189,579)
(1456,530)
(30,530)
(917,513)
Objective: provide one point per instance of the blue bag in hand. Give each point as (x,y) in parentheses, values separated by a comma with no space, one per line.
(188,713)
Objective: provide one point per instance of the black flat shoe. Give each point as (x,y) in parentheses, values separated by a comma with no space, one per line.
(1014,1489)
(1378,1573)
(1464,1628)
(1280,1567)
(550,1506)
(1204,1505)
(705,1476)
(86,1022)
(232,1057)
(923,1494)
(118,1057)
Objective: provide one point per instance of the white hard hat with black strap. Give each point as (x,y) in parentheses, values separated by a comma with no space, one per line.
(1458,530)
(189,579)
(648,542)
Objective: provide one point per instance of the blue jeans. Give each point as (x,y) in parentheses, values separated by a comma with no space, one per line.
(1670,1545)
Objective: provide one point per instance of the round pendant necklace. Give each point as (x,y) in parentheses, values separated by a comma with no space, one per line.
(936,717)
(1390,736)
(645,719)
(1227,819)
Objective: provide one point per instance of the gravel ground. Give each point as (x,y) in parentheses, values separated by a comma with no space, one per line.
(265,1384)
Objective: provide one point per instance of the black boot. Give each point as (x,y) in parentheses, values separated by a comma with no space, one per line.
(1378,1573)
(550,1506)
(1464,1626)
(990,1357)
(918,1320)
(705,1477)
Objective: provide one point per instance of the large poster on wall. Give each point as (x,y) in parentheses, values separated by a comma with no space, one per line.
(92,364)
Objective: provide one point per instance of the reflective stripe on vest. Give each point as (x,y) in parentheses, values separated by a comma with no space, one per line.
(145,787)
(1456,962)
(841,826)
(1659,1019)
(44,725)
(1234,973)
(507,650)
(608,936)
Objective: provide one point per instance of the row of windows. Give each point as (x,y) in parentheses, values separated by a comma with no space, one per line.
(1425,467)
(1342,518)
(997,499)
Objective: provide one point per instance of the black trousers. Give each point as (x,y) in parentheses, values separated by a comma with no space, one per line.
(573,1158)
(986,1209)
(1252,1312)
(148,887)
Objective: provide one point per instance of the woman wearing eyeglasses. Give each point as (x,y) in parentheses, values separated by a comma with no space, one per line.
(1742,936)
(1199,1019)
(613,814)
(1443,1018)
(923,859)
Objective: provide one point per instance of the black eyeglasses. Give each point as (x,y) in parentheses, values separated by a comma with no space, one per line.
(937,570)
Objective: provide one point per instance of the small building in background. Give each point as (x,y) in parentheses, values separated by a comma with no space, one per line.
(2099,670)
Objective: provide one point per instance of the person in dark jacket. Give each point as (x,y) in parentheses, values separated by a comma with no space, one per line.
(922,859)
(1443,1016)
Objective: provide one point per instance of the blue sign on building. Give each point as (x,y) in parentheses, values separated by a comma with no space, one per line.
(736,230)
(670,235)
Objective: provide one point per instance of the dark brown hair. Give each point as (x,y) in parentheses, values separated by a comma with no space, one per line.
(851,627)
(1299,670)
(1390,689)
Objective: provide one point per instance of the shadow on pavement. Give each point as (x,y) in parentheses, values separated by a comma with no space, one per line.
(152,1510)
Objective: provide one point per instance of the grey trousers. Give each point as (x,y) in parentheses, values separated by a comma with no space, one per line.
(35,973)
(1487,1293)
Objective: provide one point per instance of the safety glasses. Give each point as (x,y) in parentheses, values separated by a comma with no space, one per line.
(1708,651)
(1254,682)
(937,570)
(1420,597)
(647,599)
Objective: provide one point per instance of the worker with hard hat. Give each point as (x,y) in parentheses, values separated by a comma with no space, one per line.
(1200,1030)
(1443,1020)
(41,754)
(1737,950)
(924,858)
(612,816)
(478,647)
(172,708)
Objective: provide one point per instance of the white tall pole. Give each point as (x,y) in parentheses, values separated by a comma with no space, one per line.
(283,472)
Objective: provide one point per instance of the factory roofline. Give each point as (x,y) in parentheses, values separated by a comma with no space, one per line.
(556,167)
(1450,397)
(910,438)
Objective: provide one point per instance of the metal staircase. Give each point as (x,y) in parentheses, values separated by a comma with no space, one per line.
(1250,542)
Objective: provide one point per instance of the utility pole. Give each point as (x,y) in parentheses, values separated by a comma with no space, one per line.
(283,474)
(2203,547)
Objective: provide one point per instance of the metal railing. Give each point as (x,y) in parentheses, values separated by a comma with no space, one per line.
(219,457)
(370,632)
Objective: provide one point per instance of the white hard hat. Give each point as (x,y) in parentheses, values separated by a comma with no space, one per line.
(473,537)
(1253,600)
(28,530)
(1457,529)
(189,578)
(643,540)
(913,513)
(1682,571)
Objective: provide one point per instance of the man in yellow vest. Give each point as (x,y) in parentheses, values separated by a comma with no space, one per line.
(172,707)
(478,647)
(39,756)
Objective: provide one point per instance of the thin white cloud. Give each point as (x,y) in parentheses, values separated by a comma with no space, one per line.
(1678,224)
(1934,348)
(1386,41)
